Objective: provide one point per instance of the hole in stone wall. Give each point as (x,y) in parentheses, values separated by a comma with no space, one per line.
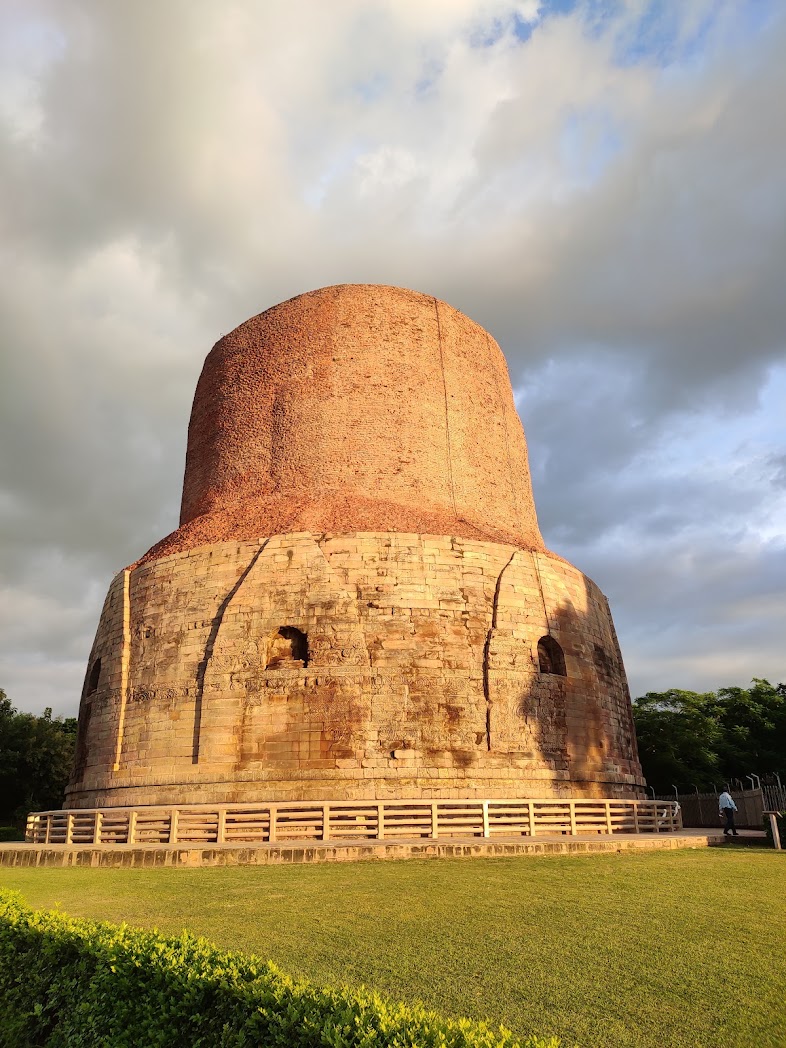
(92,680)
(551,658)
(602,661)
(287,647)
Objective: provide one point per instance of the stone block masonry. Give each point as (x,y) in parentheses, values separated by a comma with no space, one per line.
(358,602)
(419,676)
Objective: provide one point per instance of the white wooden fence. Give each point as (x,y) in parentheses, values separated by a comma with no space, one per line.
(302,821)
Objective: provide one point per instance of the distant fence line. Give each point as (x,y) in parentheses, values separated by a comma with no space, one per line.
(350,821)
(701,809)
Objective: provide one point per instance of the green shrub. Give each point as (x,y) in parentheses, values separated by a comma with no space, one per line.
(68,982)
(11,833)
(781,820)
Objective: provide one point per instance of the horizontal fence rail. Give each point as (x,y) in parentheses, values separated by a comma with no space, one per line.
(268,823)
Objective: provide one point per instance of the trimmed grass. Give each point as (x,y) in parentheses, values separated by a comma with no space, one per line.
(679,949)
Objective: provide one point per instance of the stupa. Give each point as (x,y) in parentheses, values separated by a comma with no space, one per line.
(358,602)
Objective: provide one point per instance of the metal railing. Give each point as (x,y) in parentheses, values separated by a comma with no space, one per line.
(701,809)
(268,823)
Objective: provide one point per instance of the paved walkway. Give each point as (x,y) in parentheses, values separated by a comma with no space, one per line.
(198,854)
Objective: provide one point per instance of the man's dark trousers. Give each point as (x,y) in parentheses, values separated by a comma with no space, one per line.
(730,827)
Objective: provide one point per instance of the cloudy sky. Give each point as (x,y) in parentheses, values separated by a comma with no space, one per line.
(600,184)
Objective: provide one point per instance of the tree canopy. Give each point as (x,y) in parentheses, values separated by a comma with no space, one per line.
(36,754)
(689,739)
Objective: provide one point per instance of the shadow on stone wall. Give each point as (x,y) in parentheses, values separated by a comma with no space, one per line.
(433,666)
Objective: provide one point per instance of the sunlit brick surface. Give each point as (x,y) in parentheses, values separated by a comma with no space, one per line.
(353,602)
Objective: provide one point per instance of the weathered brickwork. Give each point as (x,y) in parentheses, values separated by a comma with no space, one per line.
(356,408)
(421,679)
(401,632)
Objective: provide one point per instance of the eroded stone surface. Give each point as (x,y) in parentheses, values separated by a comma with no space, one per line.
(422,676)
(398,631)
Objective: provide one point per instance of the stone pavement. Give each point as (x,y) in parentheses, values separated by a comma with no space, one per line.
(190,855)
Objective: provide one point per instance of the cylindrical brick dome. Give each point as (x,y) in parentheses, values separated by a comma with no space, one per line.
(356,408)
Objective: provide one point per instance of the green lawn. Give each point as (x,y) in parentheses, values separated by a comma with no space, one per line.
(664,949)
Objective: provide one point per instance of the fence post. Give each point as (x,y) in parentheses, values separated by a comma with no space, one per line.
(173,826)
(607,805)
(325,822)
(271,832)
(131,825)
(531,813)
(486,819)
(776,837)
(97,827)
(635,816)
(221,829)
(69,828)
(434,820)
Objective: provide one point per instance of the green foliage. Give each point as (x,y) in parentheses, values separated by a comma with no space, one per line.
(631,950)
(754,729)
(36,754)
(71,982)
(11,833)
(678,739)
(688,739)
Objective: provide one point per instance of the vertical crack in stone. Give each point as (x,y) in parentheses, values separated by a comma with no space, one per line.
(209,648)
(487,645)
(513,484)
(536,565)
(447,417)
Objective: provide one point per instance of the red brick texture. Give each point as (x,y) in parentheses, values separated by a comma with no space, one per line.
(355,408)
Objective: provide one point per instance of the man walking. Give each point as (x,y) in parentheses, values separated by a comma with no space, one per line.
(727,808)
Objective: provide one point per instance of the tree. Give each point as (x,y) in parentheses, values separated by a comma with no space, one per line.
(36,755)
(754,729)
(678,739)
(688,739)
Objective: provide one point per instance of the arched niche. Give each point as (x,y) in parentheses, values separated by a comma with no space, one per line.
(551,658)
(93,677)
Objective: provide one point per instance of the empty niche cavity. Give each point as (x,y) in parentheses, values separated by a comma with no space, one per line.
(551,658)
(287,647)
(93,677)
(602,662)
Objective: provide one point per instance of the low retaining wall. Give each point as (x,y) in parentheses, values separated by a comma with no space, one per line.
(183,856)
(350,821)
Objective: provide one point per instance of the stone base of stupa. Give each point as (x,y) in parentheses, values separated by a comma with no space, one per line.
(358,666)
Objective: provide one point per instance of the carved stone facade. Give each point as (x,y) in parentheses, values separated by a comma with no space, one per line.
(365,660)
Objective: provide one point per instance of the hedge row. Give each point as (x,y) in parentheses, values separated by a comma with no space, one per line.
(67,982)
